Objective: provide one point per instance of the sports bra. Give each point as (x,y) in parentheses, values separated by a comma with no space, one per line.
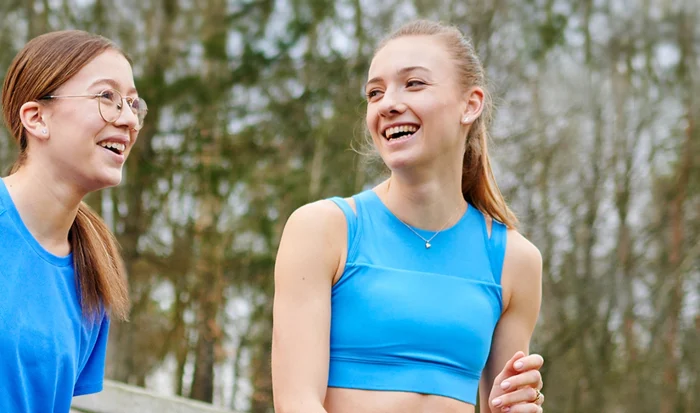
(412,319)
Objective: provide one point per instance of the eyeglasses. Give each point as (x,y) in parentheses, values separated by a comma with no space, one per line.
(109,103)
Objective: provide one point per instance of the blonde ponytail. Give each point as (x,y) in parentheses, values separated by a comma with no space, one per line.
(479,186)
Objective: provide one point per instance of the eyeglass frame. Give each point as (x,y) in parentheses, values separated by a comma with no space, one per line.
(129,101)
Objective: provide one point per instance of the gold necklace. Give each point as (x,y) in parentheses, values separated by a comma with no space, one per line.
(427,241)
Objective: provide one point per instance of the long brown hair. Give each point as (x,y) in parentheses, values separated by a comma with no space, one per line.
(478,182)
(42,66)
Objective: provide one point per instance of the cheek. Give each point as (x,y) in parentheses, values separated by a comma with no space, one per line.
(441,119)
(371,120)
(446,111)
(82,120)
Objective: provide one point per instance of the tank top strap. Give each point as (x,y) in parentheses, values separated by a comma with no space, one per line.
(497,248)
(366,198)
(350,218)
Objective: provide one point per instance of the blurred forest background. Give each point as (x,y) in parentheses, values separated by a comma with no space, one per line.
(253,108)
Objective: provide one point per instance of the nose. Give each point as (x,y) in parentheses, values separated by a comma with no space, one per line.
(127,117)
(391,104)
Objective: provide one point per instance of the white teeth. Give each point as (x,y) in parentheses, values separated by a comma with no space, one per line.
(114,145)
(390,132)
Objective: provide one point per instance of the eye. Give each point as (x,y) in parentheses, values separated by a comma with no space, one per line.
(415,83)
(373,93)
(108,95)
(111,97)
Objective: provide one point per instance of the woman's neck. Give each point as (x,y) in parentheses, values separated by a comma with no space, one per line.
(432,203)
(47,206)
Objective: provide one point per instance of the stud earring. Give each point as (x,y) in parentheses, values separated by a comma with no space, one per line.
(465,119)
(44,131)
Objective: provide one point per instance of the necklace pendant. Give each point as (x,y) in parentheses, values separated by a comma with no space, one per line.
(427,245)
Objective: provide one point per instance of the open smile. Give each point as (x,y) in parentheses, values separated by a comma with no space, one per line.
(398,132)
(114,147)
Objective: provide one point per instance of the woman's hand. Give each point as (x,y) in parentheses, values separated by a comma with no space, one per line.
(517,387)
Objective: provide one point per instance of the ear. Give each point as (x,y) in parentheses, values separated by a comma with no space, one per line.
(473,105)
(32,116)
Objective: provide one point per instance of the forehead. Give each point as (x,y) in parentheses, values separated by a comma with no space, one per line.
(411,51)
(109,66)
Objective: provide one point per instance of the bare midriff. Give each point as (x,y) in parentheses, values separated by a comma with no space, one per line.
(339,400)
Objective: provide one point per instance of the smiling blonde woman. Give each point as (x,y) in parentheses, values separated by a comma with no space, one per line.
(417,294)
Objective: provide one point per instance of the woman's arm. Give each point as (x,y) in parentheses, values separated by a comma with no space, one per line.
(522,279)
(312,247)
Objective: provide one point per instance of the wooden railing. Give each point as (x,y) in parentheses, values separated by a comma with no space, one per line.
(121,398)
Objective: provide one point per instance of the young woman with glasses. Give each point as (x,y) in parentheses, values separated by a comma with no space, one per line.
(70,103)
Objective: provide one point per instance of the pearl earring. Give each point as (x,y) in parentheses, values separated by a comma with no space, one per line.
(465,119)
(44,131)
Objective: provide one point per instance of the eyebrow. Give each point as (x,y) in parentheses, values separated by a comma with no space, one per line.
(114,84)
(402,71)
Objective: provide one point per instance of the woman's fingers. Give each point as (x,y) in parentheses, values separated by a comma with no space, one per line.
(521,380)
(513,399)
(519,363)
(524,408)
(531,362)
(530,378)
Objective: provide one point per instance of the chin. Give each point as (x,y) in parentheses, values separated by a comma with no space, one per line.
(106,180)
(398,161)
(113,182)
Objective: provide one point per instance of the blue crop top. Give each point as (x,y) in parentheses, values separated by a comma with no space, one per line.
(406,318)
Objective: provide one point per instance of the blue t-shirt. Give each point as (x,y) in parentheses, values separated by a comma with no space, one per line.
(48,351)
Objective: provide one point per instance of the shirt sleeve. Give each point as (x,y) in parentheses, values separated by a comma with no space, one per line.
(91,378)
